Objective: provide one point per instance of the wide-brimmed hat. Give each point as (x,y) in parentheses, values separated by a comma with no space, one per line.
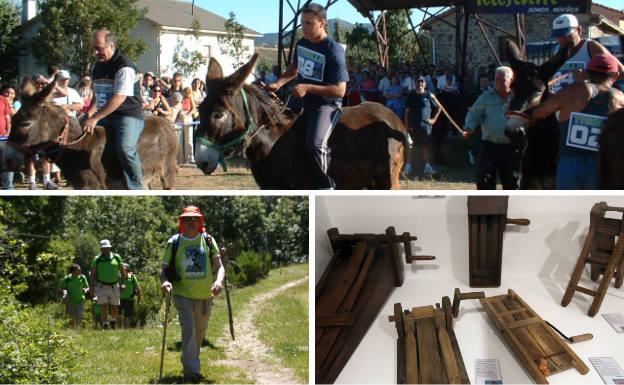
(105,243)
(563,25)
(191,211)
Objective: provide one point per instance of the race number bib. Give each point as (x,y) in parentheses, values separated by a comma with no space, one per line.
(103,93)
(566,68)
(584,131)
(311,64)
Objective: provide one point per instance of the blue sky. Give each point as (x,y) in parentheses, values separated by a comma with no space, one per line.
(263,15)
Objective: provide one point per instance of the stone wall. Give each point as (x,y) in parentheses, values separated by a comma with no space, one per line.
(538,29)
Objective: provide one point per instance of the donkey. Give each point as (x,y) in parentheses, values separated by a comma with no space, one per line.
(87,162)
(366,145)
(530,88)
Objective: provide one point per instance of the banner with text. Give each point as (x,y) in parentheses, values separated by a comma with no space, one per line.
(528,6)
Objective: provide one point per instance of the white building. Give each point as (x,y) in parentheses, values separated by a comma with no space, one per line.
(166,29)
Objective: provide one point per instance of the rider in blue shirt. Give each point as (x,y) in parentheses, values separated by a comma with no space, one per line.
(322,76)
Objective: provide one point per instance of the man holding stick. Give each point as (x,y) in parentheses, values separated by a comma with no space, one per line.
(189,260)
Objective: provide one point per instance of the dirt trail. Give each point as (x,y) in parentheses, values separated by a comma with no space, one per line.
(248,352)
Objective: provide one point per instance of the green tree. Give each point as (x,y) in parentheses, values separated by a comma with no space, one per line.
(400,42)
(68,25)
(337,31)
(9,39)
(361,46)
(232,42)
(185,61)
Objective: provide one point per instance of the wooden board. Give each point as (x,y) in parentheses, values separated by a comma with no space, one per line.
(348,299)
(531,339)
(427,348)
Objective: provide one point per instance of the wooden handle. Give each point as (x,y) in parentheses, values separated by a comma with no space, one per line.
(582,337)
(412,258)
(519,222)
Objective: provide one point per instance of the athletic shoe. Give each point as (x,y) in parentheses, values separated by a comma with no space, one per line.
(429,170)
(50,186)
(32,185)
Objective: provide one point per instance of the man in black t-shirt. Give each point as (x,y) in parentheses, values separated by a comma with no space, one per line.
(322,77)
(419,121)
(116,105)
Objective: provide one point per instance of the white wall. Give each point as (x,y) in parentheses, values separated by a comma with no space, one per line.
(537,263)
(148,31)
(208,45)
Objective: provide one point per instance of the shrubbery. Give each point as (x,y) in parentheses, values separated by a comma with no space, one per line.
(249,268)
(33,350)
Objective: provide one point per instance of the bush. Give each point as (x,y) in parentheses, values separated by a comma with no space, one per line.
(33,349)
(151,300)
(248,268)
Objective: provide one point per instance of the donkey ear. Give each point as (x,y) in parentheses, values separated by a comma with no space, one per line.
(237,79)
(215,71)
(549,68)
(43,95)
(513,53)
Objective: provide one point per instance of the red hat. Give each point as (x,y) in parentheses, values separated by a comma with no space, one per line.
(191,211)
(605,63)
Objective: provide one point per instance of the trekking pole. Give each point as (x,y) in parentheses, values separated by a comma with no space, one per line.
(227,294)
(162,348)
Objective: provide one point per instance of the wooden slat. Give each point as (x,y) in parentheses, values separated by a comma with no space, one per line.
(482,243)
(411,355)
(428,352)
(586,291)
(448,355)
(339,319)
(523,323)
(608,226)
(401,377)
(473,246)
(512,312)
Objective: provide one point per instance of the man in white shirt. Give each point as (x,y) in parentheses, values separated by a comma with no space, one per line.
(72,101)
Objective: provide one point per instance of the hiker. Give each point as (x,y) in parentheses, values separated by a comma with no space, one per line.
(126,311)
(75,286)
(188,275)
(107,277)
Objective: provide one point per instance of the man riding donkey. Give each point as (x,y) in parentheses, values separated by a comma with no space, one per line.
(322,76)
(107,277)
(189,260)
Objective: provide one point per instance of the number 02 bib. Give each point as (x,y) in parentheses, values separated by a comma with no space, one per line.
(584,131)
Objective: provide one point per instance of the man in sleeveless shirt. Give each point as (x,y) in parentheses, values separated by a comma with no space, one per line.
(581,110)
(568,32)
(116,105)
(322,77)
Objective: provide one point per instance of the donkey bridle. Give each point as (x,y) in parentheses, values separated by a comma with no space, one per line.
(43,148)
(240,138)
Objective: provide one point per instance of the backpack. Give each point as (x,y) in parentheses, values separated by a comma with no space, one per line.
(98,259)
(170,271)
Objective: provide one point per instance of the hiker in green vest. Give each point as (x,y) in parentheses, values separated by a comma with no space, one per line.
(126,310)
(76,286)
(189,277)
(107,276)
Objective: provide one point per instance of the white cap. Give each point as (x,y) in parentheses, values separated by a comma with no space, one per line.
(105,243)
(563,25)
(64,74)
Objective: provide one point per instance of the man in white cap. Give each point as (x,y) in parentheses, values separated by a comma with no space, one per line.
(67,97)
(107,276)
(568,32)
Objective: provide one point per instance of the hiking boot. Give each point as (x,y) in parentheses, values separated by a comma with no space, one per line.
(32,185)
(50,186)
(105,326)
(194,378)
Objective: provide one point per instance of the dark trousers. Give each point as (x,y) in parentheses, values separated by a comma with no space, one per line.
(495,159)
(320,122)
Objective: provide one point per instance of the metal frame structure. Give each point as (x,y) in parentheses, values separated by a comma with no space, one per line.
(374,11)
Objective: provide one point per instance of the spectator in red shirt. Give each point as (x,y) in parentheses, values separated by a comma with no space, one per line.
(6,177)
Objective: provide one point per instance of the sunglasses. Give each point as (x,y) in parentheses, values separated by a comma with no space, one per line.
(157,90)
